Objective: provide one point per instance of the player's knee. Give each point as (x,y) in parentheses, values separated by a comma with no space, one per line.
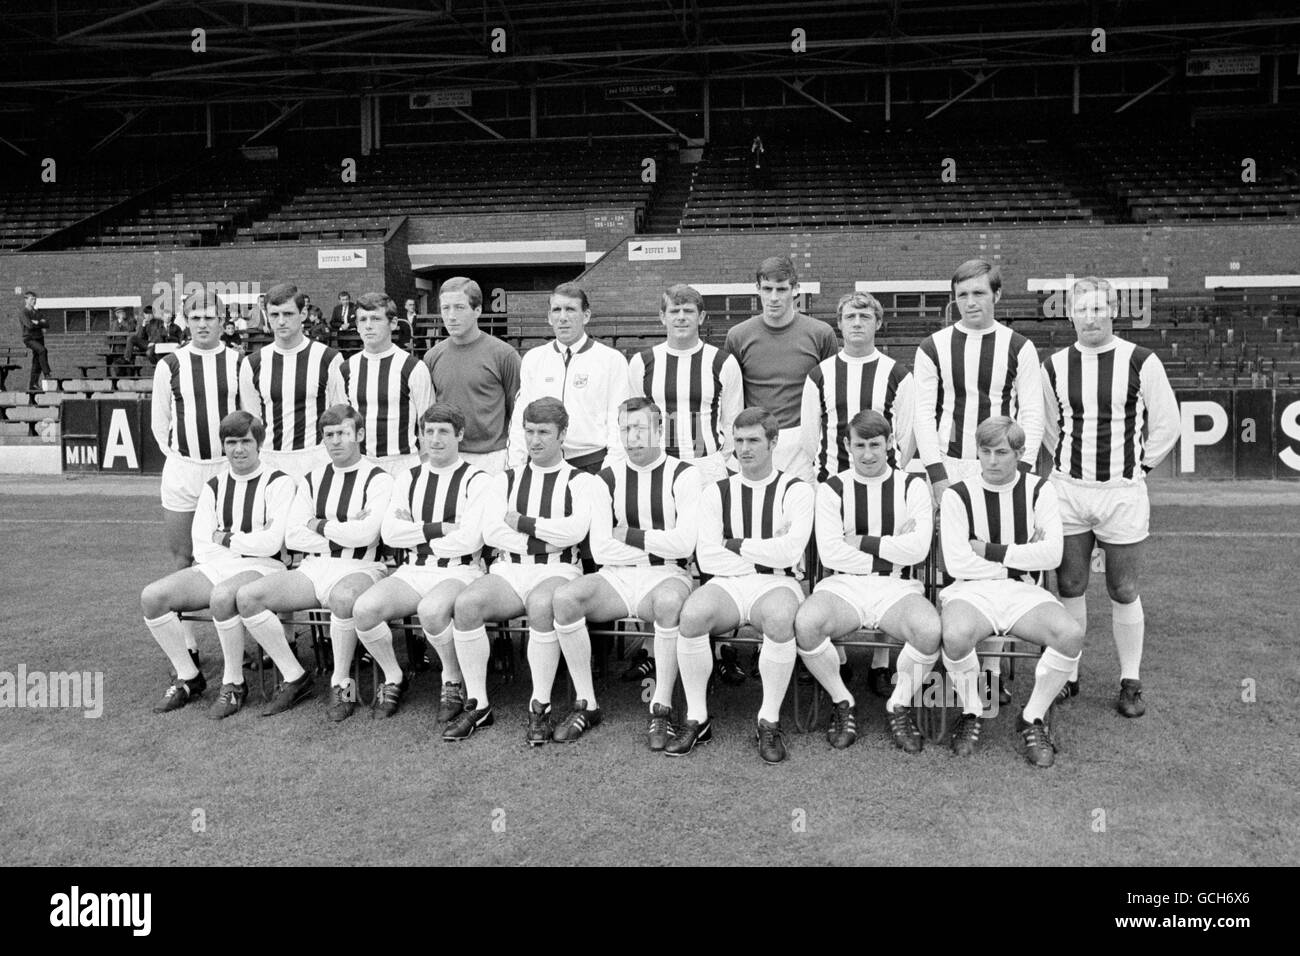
(810,626)
(153,601)
(957,637)
(925,633)
(567,603)
(540,610)
(694,621)
(666,607)
(250,600)
(366,612)
(778,617)
(1069,637)
(1122,592)
(222,602)
(468,610)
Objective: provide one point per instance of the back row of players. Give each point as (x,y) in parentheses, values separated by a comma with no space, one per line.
(1112,418)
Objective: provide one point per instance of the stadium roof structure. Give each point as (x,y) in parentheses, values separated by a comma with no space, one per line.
(95,53)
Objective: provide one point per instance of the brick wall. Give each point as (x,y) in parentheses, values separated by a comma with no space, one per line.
(1184,253)
(498,227)
(135,272)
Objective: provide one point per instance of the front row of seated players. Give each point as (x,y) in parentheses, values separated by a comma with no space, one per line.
(645,516)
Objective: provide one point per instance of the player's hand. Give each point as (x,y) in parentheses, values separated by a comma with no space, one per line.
(937,489)
(853,540)
(783,528)
(404,514)
(512,520)
(361,515)
(1039,535)
(908,527)
(977,546)
(620,534)
(218,537)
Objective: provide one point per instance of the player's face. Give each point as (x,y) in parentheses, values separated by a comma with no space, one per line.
(1093,317)
(682,320)
(869,455)
(753,451)
(458,316)
(975,299)
(568,318)
(858,326)
(343,442)
(778,297)
(375,329)
(242,453)
(286,322)
(545,443)
(441,443)
(642,435)
(205,329)
(998,462)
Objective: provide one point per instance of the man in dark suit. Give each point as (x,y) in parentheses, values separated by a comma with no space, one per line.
(33,333)
(344,315)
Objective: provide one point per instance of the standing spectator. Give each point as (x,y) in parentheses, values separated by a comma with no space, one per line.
(405,332)
(257,318)
(33,330)
(476,372)
(345,313)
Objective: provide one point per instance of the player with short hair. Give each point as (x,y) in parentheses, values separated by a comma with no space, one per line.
(435,515)
(698,386)
(388,386)
(194,388)
(534,516)
(1000,532)
(777,350)
(289,384)
(754,528)
(588,377)
(335,520)
(1111,418)
(858,376)
(237,537)
(643,533)
(874,525)
(966,372)
(476,372)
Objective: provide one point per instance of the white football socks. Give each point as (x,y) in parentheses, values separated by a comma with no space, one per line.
(379,642)
(695,660)
(170,635)
(775,665)
(473,651)
(231,635)
(665,657)
(575,644)
(1128,624)
(343,638)
(269,632)
(1050,674)
(913,666)
(964,675)
(445,646)
(543,662)
(824,664)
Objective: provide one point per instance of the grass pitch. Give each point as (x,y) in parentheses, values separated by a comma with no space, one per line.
(1203,778)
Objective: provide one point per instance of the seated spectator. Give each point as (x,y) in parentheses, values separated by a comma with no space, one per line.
(121,321)
(316,326)
(231,335)
(149,332)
